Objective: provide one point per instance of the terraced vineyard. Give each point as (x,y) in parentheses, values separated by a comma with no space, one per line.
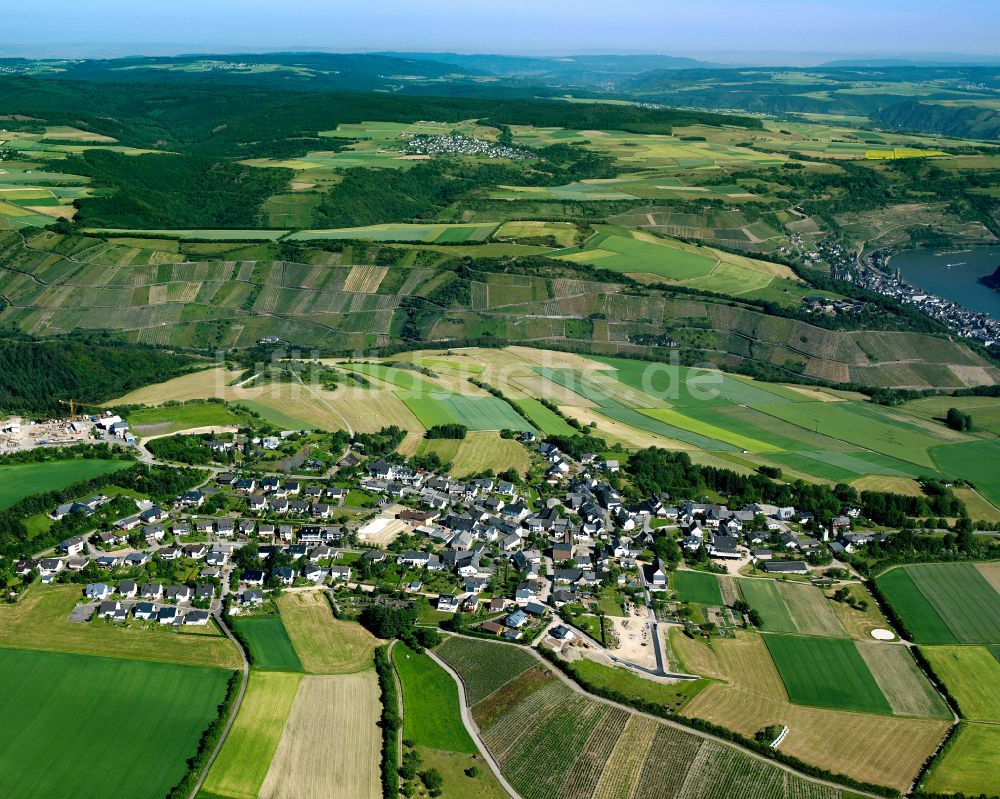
(553,741)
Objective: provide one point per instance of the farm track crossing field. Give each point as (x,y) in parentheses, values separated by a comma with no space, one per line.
(130,725)
(331,744)
(270,647)
(325,645)
(700,587)
(826,672)
(944,603)
(243,762)
(483,666)
(431,714)
(20,480)
(972,676)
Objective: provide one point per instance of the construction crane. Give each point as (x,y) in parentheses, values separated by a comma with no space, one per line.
(72,408)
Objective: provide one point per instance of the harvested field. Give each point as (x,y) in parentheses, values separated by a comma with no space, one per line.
(325,645)
(242,765)
(876,748)
(909,692)
(812,613)
(481,451)
(344,709)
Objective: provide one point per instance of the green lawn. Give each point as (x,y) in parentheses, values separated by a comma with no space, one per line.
(826,672)
(270,647)
(762,595)
(672,696)
(700,587)
(20,480)
(431,712)
(99,726)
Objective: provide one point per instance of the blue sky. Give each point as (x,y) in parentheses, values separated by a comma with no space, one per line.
(700,27)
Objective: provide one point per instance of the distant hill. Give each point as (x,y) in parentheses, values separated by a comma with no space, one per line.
(593,69)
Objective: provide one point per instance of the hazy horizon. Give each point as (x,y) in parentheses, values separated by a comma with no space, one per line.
(766,32)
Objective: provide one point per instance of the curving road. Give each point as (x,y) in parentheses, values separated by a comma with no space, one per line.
(473,730)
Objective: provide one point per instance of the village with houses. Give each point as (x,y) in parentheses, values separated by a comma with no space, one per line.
(507,559)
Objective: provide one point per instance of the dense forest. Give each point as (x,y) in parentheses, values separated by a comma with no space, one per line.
(173,191)
(35,375)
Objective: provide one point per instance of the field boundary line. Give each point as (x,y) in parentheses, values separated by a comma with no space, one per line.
(236,706)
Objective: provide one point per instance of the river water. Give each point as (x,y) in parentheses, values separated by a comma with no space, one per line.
(953,274)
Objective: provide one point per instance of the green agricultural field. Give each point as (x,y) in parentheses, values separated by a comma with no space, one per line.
(431,714)
(616,250)
(763,596)
(826,672)
(166,419)
(270,647)
(969,765)
(861,425)
(279,418)
(476,413)
(918,615)
(545,420)
(685,422)
(700,587)
(130,726)
(20,480)
(974,461)
(401,378)
(972,676)
(484,666)
(242,765)
(942,603)
(428,234)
